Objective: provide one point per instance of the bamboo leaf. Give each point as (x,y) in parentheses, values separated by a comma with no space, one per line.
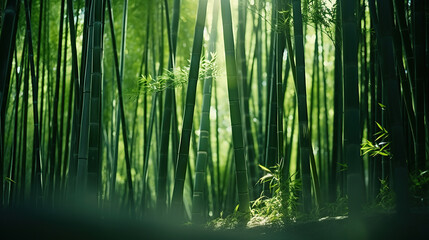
(264,168)
(9,180)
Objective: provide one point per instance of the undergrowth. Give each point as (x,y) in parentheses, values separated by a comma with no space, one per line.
(283,207)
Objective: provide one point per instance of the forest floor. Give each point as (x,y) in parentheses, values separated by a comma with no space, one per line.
(46,224)
(377,226)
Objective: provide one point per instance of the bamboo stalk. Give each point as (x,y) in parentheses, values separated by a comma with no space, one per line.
(235,110)
(182,158)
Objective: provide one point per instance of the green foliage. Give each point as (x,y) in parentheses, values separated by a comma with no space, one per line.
(381,145)
(169,79)
(386,197)
(269,211)
(235,220)
(337,208)
(9,180)
(320,13)
(283,206)
(419,188)
(275,211)
(317,12)
(271,177)
(178,77)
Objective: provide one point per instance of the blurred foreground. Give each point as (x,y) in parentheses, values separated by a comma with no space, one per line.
(90,224)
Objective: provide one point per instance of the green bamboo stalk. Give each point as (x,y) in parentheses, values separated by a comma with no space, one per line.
(373,183)
(7,46)
(326,121)
(406,91)
(83,150)
(312,90)
(364,77)
(145,106)
(121,109)
(258,50)
(95,104)
(203,156)
(218,172)
(54,121)
(121,74)
(352,139)
(67,149)
(288,157)
(379,116)
(147,130)
(405,36)
(61,152)
(85,44)
(291,64)
(304,135)
(337,136)
(77,102)
(281,44)
(152,120)
(45,100)
(245,83)
(259,69)
(319,132)
(399,156)
(271,151)
(13,161)
(426,85)
(37,179)
(182,158)
(166,118)
(420,77)
(234,107)
(24,131)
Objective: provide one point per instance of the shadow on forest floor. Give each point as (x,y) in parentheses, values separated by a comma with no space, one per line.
(30,224)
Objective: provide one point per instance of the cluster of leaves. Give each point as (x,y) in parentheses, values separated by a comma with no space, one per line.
(381,145)
(386,197)
(419,183)
(269,211)
(233,221)
(419,188)
(285,18)
(169,79)
(317,12)
(178,77)
(274,211)
(284,204)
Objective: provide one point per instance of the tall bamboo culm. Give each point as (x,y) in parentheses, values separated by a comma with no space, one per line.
(304,134)
(184,144)
(235,111)
(352,138)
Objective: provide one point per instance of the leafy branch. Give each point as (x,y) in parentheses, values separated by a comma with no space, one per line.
(381,145)
(178,77)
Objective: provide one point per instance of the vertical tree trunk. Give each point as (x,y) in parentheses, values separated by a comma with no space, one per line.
(352,139)
(183,155)
(399,157)
(234,107)
(304,134)
(7,47)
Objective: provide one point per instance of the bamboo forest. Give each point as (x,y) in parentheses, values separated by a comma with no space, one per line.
(272,118)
